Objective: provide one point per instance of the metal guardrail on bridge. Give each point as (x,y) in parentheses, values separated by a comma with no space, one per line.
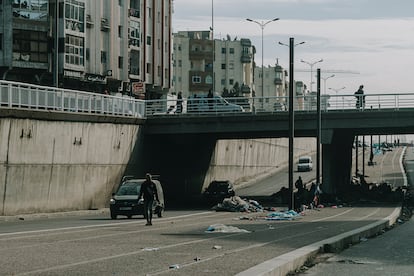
(24,95)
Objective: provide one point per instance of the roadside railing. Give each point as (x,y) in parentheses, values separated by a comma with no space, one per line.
(23,95)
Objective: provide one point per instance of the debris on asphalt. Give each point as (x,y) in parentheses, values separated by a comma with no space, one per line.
(221,228)
(174,266)
(237,204)
(150,249)
(217,247)
(288,215)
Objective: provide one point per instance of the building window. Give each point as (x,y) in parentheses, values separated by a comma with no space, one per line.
(223,66)
(120,3)
(134,63)
(120,62)
(231,65)
(223,50)
(223,81)
(1,39)
(75,16)
(231,81)
(120,31)
(29,46)
(231,50)
(159,43)
(159,70)
(196,79)
(74,50)
(134,28)
(209,79)
(179,47)
(87,53)
(103,57)
(180,63)
(148,68)
(148,40)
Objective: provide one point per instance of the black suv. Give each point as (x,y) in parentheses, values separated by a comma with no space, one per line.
(218,190)
(125,201)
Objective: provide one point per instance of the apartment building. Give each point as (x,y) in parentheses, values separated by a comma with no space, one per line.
(115,45)
(201,63)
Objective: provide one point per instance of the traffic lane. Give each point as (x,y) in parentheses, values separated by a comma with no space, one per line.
(130,249)
(274,183)
(37,222)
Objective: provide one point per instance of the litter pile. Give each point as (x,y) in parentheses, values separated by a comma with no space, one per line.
(236,204)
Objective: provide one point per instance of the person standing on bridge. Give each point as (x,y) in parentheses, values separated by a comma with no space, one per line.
(148,192)
(179,102)
(360,97)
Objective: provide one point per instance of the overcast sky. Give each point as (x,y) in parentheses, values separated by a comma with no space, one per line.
(371,40)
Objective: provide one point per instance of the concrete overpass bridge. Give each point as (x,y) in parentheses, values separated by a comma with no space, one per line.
(338,130)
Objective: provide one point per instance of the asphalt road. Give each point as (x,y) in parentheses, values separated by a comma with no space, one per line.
(177,244)
(389,254)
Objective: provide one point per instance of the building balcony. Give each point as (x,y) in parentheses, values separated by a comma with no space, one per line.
(245,42)
(278,81)
(246,58)
(134,13)
(105,25)
(198,55)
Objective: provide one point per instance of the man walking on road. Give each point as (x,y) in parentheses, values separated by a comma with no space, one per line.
(148,192)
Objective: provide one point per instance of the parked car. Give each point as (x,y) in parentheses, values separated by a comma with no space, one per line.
(305,163)
(202,104)
(218,190)
(125,200)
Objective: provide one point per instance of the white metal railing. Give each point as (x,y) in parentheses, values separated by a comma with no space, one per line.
(23,95)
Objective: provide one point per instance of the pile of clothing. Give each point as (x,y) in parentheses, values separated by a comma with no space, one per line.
(236,204)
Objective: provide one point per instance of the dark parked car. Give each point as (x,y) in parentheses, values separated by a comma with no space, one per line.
(218,190)
(125,201)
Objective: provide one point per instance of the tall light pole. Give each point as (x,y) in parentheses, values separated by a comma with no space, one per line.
(336,91)
(291,117)
(311,64)
(262,25)
(324,82)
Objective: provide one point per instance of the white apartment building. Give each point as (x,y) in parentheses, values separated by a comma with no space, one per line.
(118,45)
(201,64)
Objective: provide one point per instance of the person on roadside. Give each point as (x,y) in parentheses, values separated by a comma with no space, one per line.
(360,97)
(180,102)
(148,193)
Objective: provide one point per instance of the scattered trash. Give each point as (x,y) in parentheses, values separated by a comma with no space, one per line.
(221,228)
(244,218)
(334,207)
(20,218)
(271,227)
(197,259)
(174,266)
(217,247)
(289,215)
(363,239)
(150,249)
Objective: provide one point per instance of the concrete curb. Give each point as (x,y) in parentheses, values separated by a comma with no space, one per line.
(293,260)
(54,215)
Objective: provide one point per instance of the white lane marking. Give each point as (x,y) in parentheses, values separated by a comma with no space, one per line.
(334,216)
(97,225)
(405,182)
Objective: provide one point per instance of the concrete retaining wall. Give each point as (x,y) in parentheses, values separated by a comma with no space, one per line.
(248,160)
(48,166)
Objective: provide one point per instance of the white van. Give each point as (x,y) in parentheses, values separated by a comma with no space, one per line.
(305,163)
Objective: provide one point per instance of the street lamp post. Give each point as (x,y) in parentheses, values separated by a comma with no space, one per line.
(291,117)
(336,91)
(311,64)
(324,82)
(262,25)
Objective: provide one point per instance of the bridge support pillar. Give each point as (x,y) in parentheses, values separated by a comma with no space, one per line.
(337,162)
